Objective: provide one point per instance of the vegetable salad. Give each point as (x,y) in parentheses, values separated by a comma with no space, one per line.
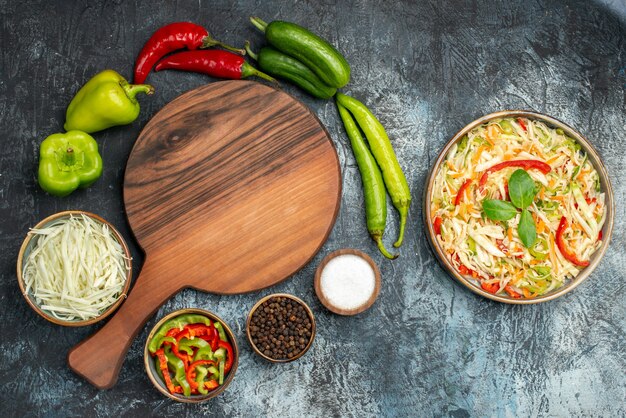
(562,217)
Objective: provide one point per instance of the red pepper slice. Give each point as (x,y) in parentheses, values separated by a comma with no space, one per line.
(461,191)
(211,384)
(191,371)
(512,293)
(437,225)
(522,124)
(506,191)
(490,287)
(525,164)
(166,373)
(600,235)
(560,242)
(229,355)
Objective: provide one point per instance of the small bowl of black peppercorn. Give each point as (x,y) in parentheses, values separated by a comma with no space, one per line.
(280,328)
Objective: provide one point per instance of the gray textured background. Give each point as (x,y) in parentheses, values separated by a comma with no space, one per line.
(427,347)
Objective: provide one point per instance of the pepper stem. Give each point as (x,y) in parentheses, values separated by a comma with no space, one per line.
(248,71)
(378,237)
(403,215)
(209,42)
(133,89)
(250,52)
(69,158)
(259,23)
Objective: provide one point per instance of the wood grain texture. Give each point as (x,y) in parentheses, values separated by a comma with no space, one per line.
(230,188)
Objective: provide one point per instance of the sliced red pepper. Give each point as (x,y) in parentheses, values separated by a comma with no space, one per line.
(525,164)
(562,245)
(190,374)
(461,191)
(512,293)
(229,355)
(166,373)
(522,124)
(212,337)
(437,225)
(490,287)
(506,191)
(211,384)
(600,235)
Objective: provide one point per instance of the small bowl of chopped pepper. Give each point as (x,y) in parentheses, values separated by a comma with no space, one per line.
(191,355)
(280,328)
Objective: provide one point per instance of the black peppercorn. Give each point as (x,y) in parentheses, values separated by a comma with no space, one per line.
(280,328)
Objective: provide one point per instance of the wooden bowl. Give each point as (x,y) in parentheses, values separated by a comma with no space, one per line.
(25,250)
(295,299)
(151,368)
(324,299)
(605,183)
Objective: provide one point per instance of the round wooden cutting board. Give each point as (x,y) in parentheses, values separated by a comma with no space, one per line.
(230,188)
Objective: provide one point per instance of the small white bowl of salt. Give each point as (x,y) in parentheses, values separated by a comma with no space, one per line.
(347,282)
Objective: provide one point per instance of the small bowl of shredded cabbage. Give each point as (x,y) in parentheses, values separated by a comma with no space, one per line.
(519,207)
(74,268)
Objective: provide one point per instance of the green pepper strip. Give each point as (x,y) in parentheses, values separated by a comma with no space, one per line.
(178,367)
(381,148)
(200,377)
(537,254)
(220,330)
(179,322)
(186,345)
(189,374)
(221,369)
(165,374)
(204,353)
(373,185)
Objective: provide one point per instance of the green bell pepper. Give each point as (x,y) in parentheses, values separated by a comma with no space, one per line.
(104,101)
(68,161)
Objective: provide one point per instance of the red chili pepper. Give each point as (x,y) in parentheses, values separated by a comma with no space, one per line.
(229,355)
(213,62)
(490,287)
(461,191)
(166,374)
(512,293)
(190,373)
(179,35)
(522,124)
(525,164)
(437,225)
(562,245)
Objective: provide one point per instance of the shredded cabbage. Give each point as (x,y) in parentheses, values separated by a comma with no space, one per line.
(76,268)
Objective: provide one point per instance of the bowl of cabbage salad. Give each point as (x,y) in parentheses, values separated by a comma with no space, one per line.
(519,207)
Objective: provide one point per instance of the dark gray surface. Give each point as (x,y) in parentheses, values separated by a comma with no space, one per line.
(427,347)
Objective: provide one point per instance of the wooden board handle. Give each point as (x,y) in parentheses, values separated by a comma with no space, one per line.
(99,358)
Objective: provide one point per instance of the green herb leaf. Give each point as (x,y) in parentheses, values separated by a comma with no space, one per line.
(526,229)
(521,189)
(498,210)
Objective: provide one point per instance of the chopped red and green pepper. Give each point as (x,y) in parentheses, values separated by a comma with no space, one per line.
(192,354)
(517,206)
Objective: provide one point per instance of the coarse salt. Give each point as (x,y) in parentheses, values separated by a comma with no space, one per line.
(348,281)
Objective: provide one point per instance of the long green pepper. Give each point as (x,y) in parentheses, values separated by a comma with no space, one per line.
(381,148)
(373,185)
